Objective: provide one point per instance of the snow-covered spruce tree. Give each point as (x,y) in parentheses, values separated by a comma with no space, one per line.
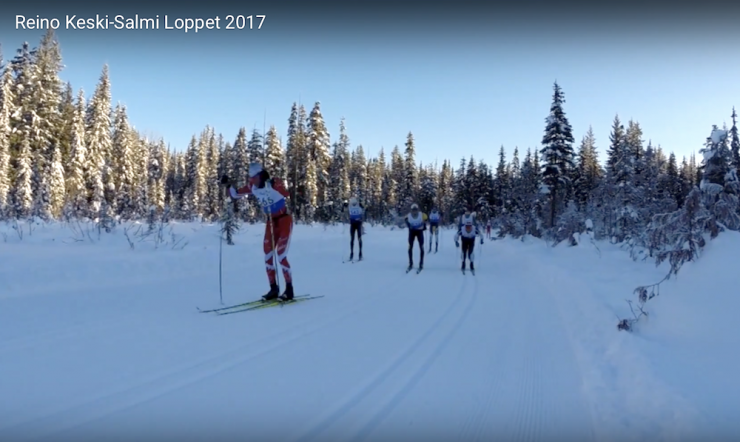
(190,200)
(483,187)
(358,173)
(274,155)
(411,176)
(444,190)
(22,187)
(319,146)
(6,109)
(678,237)
(77,169)
(310,191)
(141,185)
(735,142)
(720,186)
(56,183)
(240,167)
(670,182)
(156,169)
(528,195)
(124,163)
(469,182)
(501,190)
(292,157)
(339,175)
(303,194)
(45,100)
(98,141)
(589,171)
(211,185)
(66,126)
(24,126)
(398,176)
(557,154)
(428,189)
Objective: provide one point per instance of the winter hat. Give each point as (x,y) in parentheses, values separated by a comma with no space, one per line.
(414,206)
(255,169)
(353,201)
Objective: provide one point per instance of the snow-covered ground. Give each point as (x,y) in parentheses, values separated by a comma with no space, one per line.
(101,341)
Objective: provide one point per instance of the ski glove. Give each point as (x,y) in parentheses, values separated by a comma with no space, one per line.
(457,244)
(225,180)
(481,241)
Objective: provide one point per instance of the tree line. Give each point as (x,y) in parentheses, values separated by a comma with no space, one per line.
(65,155)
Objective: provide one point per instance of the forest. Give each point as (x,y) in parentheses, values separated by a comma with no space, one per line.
(65,155)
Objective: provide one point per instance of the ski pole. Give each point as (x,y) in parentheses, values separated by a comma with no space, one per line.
(220,252)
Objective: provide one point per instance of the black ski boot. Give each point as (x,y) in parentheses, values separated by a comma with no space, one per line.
(411,266)
(288,294)
(360,257)
(272,294)
(472,268)
(351,255)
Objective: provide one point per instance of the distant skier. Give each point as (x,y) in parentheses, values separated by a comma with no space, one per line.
(488,229)
(271,194)
(467,232)
(416,221)
(356,217)
(434,219)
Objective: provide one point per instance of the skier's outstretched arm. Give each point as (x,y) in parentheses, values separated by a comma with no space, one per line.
(233,191)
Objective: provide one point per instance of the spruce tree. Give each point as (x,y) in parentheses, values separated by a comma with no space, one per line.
(274,155)
(557,153)
(77,168)
(98,141)
(735,142)
(6,109)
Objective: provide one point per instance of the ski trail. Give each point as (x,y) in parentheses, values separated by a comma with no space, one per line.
(495,376)
(362,394)
(415,376)
(154,385)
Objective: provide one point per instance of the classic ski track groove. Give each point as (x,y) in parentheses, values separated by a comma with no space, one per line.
(537,410)
(346,405)
(417,375)
(163,382)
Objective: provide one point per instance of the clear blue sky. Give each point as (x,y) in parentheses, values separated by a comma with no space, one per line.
(460,93)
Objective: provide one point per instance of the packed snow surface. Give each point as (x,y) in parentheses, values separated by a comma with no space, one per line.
(101,341)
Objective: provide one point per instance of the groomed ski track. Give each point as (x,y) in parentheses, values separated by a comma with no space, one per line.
(383,356)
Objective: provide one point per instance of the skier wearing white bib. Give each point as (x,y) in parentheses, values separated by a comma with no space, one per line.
(271,194)
(467,232)
(416,221)
(356,217)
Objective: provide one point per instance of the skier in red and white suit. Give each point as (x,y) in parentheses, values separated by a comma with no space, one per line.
(271,194)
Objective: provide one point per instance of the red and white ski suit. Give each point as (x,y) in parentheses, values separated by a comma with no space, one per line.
(278,228)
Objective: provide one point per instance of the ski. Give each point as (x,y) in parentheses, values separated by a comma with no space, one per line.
(268,304)
(257,302)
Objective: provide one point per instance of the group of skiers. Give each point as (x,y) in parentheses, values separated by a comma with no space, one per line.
(271,193)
